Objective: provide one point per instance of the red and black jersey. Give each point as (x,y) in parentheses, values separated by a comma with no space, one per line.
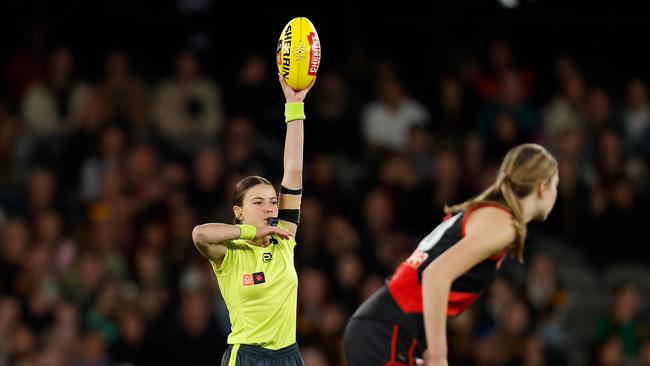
(406,284)
(388,328)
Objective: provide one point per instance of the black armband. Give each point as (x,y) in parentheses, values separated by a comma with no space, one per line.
(290,215)
(285,190)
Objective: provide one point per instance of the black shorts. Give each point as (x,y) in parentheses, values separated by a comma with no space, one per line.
(247,355)
(380,334)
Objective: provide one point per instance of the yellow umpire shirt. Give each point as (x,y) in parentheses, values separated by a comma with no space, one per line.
(260,288)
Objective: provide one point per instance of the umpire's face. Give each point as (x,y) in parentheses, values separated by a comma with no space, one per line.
(260,203)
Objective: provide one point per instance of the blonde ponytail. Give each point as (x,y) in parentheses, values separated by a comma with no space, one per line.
(522,170)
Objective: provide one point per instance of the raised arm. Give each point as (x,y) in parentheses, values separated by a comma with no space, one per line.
(291,190)
(488,231)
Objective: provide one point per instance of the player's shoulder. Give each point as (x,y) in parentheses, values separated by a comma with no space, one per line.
(491,219)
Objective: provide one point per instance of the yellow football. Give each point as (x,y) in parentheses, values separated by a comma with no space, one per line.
(298,53)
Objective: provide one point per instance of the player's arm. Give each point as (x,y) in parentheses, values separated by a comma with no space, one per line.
(291,189)
(488,231)
(211,239)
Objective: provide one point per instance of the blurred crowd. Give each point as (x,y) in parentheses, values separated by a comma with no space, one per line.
(103,177)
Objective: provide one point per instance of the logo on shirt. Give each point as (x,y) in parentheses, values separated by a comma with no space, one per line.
(251,279)
(416,259)
(266,257)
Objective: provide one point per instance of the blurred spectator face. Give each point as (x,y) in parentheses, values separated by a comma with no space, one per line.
(623,194)
(349,271)
(194,313)
(208,168)
(511,90)
(93,112)
(333,321)
(41,189)
(66,318)
(574,88)
(611,150)
(9,315)
(182,223)
(342,237)
(419,140)
(564,67)
(332,85)
(112,142)
(313,356)
(61,66)
(49,226)
(570,144)
(149,267)
(474,145)
(392,249)
(500,55)
(154,235)
(254,71)
(322,170)
(142,163)
(598,107)
(534,351)
(501,295)
(611,353)
(450,94)
(505,129)
(636,169)
(516,319)
(23,342)
(240,130)
(637,94)
(39,262)
(541,270)
(569,172)
(132,326)
(313,288)
(187,66)
(486,351)
(398,172)
(644,353)
(117,65)
(239,135)
(106,299)
(52,356)
(15,241)
(378,210)
(391,92)
(446,167)
(174,177)
(626,303)
(90,272)
(93,349)
(311,212)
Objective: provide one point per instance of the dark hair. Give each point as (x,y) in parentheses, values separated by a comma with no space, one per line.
(242,187)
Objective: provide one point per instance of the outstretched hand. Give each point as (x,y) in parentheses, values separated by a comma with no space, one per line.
(292,95)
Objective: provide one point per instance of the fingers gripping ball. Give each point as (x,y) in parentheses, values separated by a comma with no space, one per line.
(298,53)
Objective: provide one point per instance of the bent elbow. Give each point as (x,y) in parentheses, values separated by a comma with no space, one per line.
(197,235)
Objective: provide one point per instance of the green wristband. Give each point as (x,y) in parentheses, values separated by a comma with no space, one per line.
(248,232)
(294,111)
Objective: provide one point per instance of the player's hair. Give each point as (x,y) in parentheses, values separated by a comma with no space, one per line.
(522,170)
